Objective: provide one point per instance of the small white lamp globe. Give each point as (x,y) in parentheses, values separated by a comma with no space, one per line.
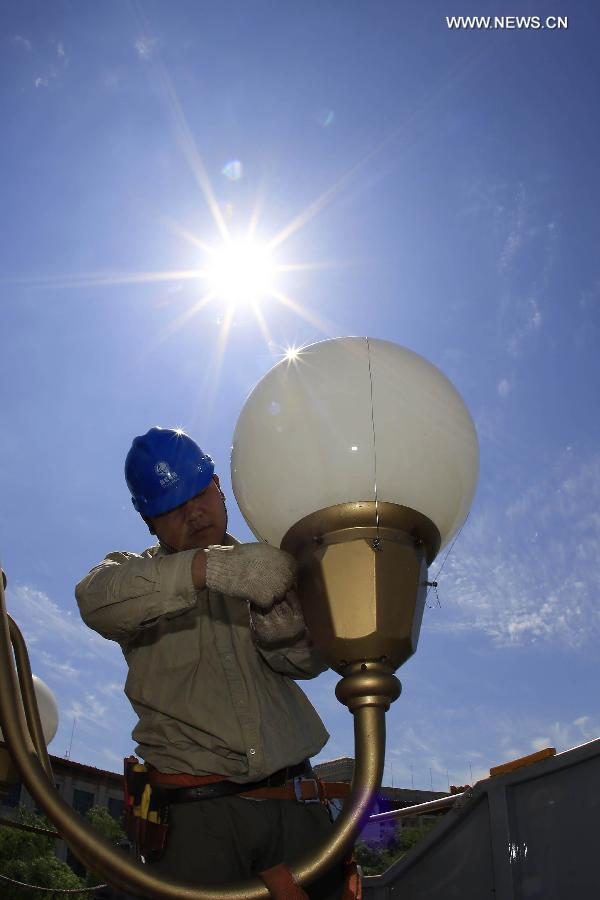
(353,419)
(48,708)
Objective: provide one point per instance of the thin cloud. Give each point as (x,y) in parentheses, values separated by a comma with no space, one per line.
(449,745)
(113,759)
(112,688)
(60,668)
(565,735)
(531,320)
(145,46)
(89,712)
(20,41)
(57,633)
(515,237)
(536,582)
(504,388)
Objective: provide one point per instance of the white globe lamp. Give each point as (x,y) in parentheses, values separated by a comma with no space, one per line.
(48,709)
(359,457)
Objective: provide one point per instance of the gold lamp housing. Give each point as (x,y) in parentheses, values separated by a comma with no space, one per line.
(362,585)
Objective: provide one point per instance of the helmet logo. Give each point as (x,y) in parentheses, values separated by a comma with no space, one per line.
(165,475)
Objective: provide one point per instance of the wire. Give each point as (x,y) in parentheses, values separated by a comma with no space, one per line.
(51,890)
(377,541)
(434,584)
(53,834)
(10,823)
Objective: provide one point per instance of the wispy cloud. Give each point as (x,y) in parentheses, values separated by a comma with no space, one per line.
(88,711)
(527,735)
(536,240)
(145,46)
(50,64)
(21,41)
(517,224)
(529,321)
(39,617)
(60,668)
(449,745)
(525,236)
(60,645)
(112,689)
(113,760)
(504,388)
(529,573)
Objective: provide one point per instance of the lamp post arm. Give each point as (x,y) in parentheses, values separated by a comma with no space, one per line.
(369,743)
(32,713)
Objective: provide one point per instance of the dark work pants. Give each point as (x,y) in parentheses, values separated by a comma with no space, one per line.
(211,842)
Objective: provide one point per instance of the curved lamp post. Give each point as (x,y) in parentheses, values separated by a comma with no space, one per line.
(360,458)
(40,709)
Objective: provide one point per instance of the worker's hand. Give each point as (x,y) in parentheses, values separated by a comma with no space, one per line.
(259,573)
(282,624)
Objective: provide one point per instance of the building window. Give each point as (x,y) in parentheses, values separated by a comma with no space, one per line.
(82,801)
(115,808)
(13,795)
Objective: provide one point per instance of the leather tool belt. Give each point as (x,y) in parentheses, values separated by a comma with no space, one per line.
(292,783)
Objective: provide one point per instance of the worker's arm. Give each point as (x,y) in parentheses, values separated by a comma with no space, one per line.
(127,592)
(282,639)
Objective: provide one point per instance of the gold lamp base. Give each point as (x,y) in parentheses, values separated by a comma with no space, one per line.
(362,576)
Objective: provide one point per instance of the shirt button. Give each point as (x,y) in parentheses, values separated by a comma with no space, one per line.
(251,751)
(227,658)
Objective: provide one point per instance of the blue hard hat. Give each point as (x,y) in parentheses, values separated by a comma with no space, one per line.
(164,468)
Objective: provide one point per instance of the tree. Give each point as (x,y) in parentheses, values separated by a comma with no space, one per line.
(375,860)
(29,858)
(100,819)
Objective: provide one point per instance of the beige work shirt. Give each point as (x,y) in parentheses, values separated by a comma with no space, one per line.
(209,700)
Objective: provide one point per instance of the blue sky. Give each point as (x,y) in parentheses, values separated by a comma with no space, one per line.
(433,187)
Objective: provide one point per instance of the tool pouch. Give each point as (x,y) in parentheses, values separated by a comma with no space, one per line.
(146,810)
(352,880)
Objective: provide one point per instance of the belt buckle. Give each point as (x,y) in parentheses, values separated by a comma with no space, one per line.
(298,789)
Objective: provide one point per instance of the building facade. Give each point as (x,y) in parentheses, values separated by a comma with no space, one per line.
(80,786)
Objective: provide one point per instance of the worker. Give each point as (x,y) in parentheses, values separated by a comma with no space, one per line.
(214,638)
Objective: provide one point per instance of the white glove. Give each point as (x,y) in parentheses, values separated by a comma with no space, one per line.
(259,573)
(282,624)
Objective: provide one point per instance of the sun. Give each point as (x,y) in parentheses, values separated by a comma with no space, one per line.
(241,272)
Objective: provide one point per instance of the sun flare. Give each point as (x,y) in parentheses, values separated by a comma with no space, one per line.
(241,272)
